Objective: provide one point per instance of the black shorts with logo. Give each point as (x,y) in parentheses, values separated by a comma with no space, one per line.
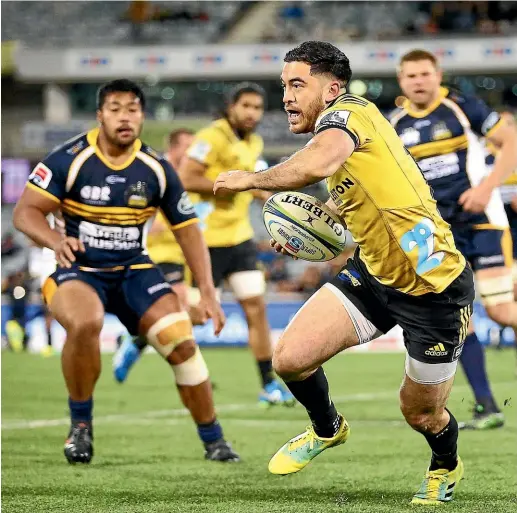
(174,273)
(233,259)
(434,325)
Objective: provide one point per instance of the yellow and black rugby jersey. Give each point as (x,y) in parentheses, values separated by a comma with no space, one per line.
(445,140)
(163,247)
(387,205)
(225,221)
(109,207)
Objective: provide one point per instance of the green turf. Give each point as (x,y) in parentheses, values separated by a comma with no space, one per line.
(148,457)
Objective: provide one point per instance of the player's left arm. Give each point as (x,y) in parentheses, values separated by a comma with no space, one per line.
(501,131)
(179,211)
(318,160)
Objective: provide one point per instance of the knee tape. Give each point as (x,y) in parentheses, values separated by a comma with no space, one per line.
(169,332)
(495,291)
(191,372)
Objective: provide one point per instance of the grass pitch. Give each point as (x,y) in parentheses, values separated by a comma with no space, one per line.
(148,457)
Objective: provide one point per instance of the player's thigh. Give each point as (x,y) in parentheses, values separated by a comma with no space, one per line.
(495,286)
(338,316)
(75,304)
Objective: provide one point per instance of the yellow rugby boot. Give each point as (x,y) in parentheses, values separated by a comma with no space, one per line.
(300,450)
(438,485)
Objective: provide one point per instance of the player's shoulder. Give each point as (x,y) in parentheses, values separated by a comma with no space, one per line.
(68,151)
(216,131)
(350,102)
(466,102)
(153,156)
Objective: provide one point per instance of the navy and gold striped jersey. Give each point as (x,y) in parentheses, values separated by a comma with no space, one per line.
(446,141)
(110,208)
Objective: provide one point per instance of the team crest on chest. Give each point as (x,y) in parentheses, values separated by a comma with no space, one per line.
(136,195)
(440,131)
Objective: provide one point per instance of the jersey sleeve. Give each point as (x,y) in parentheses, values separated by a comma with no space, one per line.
(483,120)
(347,119)
(175,203)
(49,177)
(205,147)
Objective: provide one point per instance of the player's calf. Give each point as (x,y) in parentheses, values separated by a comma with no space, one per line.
(172,337)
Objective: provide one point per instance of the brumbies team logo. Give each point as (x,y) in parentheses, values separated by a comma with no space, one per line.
(136,195)
(440,131)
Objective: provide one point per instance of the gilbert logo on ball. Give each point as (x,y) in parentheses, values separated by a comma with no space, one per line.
(304,226)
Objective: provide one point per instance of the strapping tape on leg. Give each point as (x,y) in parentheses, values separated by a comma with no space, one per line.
(169,332)
(495,291)
(191,372)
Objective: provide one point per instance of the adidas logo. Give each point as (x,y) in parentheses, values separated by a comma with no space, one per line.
(437,350)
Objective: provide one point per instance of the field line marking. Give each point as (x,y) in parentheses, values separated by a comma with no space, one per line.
(181,412)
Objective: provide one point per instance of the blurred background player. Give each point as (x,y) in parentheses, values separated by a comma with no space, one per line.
(164,251)
(231,142)
(108,185)
(42,263)
(443,131)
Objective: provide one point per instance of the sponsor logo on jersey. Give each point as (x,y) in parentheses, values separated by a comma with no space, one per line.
(159,286)
(410,137)
(41,176)
(76,148)
(440,166)
(440,131)
(136,195)
(437,350)
(95,194)
(185,205)
(113,238)
(113,179)
(350,276)
(337,118)
(199,150)
(489,122)
(421,124)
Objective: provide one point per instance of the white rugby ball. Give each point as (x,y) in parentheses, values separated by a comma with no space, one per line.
(304,226)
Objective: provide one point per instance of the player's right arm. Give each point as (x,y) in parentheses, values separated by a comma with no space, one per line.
(41,197)
(202,153)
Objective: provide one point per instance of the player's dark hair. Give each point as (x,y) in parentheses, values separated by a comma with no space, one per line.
(419,55)
(122,85)
(175,135)
(234,94)
(323,58)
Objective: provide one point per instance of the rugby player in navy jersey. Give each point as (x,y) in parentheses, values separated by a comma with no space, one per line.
(444,131)
(109,186)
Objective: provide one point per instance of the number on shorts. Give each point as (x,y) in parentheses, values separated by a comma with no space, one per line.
(422,237)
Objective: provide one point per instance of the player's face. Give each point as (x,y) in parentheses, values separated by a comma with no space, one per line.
(305,96)
(245,114)
(176,153)
(121,118)
(420,81)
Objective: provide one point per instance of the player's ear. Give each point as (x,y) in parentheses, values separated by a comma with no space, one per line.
(99,116)
(333,90)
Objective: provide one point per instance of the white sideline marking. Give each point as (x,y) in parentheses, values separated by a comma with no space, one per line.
(182,412)
(177,412)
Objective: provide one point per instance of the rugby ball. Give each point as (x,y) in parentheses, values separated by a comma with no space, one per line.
(304,226)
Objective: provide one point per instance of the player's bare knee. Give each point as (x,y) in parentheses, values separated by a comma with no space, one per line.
(88,325)
(254,309)
(503,313)
(286,365)
(422,419)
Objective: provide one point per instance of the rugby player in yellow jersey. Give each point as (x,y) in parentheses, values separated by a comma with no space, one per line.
(229,143)
(444,130)
(108,185)
(164,250)
(406,269)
